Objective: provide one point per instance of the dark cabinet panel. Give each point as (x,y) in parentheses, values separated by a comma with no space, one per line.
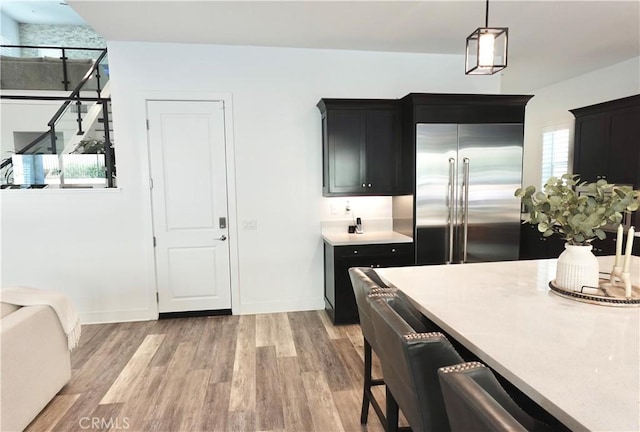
(340,302)
(361,147)
(590,157)
(346,145)
(607,141)
(534,246)
(624,148)
(382,146)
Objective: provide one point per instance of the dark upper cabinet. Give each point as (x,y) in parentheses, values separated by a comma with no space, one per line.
(607,141)
(361,142)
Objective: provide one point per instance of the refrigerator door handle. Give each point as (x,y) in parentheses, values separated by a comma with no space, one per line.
(451,206)
(465,207)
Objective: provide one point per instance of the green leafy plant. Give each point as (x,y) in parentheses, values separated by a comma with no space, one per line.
(578,216)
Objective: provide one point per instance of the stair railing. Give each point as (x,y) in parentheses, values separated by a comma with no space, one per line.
(77,99)
(64,58)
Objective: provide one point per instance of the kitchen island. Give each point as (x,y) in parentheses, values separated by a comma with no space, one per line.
(579,361)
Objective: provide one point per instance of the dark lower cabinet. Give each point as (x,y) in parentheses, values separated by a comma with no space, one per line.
(534,246)
(340,303)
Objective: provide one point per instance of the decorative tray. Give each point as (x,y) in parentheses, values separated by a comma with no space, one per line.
(605,294)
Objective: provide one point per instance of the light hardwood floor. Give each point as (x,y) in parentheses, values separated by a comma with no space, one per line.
(270,372)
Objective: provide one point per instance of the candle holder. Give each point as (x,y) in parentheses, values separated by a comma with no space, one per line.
(626,281)
(616,275)
(622,279)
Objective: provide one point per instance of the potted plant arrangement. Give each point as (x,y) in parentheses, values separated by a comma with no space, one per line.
(578,212)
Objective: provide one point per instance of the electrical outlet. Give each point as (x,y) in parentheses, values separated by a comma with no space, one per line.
(334,209)
(347,207)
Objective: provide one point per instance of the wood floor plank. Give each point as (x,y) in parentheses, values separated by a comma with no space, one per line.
(328,360)
(48,419)
(269,415)
(323,413)
(241,421)
(163,404)
(104,417)
(348,404)
(216,408)
(243,383)
(192,402)
(265,330)
(222,357)
(126,382)
(135,409)
(173,330)
(285,347)
(216,347)
(353,364)
(333,331)
(297,414)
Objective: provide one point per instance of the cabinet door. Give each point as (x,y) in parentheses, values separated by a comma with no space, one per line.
(382,150)
(624,147)
(346,139)
(591,152)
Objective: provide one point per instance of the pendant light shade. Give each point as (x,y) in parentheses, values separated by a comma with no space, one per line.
(486,51)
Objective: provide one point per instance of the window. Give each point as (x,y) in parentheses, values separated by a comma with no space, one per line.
(555,152)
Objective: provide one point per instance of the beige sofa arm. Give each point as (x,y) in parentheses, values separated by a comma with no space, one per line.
(34,364)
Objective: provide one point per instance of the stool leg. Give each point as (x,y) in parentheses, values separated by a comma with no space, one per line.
(364,414)
(392,412)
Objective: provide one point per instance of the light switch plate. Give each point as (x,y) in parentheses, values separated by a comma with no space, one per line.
(250,224)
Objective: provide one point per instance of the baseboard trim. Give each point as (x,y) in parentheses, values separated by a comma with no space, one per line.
(192,314)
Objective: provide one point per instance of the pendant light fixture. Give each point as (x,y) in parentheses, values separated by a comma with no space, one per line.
(486,51)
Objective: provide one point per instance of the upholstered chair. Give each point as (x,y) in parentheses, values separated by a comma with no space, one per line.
(475,401)
(410,362)
(365,281)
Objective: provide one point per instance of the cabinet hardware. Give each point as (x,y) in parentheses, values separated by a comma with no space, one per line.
(369,185)
(355,251)
(364,185)
(393,250)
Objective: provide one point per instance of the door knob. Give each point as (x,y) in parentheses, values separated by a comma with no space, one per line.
(222,237)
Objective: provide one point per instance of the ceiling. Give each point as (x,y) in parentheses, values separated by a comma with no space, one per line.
(54,12)
(549,40)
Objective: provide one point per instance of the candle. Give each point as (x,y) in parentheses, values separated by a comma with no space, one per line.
(627,252)
(619,240)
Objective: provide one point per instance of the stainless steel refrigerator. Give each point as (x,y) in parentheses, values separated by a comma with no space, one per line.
(466,175)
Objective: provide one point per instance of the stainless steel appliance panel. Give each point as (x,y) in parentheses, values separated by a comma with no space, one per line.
(490,161)
(436,163)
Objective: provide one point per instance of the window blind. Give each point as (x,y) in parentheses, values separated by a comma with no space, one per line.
(555,153)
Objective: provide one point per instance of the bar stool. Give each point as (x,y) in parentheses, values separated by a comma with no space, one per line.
(475,401)
(365,281)
(410,363)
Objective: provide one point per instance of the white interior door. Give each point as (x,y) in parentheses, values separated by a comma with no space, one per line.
(189,196)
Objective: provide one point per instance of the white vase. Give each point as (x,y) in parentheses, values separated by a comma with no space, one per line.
(577,267)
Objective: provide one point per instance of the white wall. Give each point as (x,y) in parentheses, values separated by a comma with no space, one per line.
(551,104)
(23,116)
(10,31)
(97,247)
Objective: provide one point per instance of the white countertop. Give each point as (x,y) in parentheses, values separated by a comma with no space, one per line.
(373,237)
(579,361)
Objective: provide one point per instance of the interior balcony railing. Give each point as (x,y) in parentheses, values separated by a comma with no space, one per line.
(77,149)
(48,67)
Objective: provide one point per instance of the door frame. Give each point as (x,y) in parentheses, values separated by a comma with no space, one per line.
(145,175)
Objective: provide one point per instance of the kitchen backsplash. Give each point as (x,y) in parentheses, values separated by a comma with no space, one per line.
(375,212)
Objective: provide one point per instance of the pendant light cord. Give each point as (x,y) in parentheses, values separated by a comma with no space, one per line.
(486,16)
